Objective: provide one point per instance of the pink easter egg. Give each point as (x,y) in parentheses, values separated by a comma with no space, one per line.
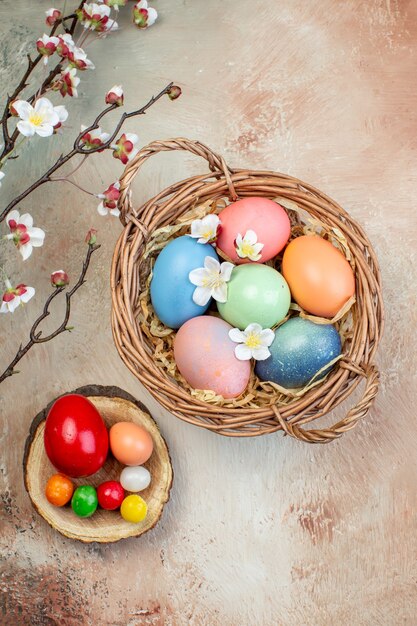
(205,356)
(265,217)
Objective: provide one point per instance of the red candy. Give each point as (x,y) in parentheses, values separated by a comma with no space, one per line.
(110,495)
(76,439)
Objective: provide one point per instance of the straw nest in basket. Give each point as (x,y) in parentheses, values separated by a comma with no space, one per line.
(146,345)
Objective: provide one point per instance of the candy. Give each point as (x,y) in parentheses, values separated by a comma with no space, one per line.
(135,478)
(134,509)
(84,501)
(110,495)
(59,490)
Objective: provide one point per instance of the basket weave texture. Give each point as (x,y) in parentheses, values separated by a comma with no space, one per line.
(130,271)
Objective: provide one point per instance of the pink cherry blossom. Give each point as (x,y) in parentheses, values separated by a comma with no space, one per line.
(114,3)
(109,200)
(23,234)
(14,296)
(78,58)
(124,148)
(47,46)
(52,16)
(96,17)
(65,45)
(94,138)
(67,83)
(62,113)
(115,95)
(144,15)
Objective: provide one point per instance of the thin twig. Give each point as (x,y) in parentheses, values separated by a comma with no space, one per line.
(35,334)
(80,149)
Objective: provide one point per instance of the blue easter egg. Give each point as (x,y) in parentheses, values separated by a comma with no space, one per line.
(171,289)
(300,349)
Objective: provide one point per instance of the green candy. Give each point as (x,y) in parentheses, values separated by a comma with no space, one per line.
(255,293)
(84,501)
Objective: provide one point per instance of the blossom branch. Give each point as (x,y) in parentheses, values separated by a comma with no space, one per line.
(35,334)
(78,148)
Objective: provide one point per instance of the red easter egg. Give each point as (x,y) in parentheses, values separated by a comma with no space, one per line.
(265,218)
(75,437)
(110,495)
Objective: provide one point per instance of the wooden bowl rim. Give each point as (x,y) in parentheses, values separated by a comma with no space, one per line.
(111,392)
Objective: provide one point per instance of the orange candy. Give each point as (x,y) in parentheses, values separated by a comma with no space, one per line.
(59,490)
(320,278)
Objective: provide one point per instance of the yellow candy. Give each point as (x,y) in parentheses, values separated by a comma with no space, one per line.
(134,509)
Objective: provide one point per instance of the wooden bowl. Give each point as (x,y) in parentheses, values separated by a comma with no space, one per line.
(114,405)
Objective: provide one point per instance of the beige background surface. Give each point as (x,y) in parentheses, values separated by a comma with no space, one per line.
(266,531)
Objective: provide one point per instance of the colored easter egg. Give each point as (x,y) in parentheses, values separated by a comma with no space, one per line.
(135,478)
(300,349)
(266,218)
(205,356)
(255,293)
(75,437)
(171,289)
(134,509)
(110,495)
(59,490)
(320,278)
(84,501)
(130,443)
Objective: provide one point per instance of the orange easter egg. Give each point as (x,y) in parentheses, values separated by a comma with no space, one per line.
(260,217)
(130,443)
(320,278)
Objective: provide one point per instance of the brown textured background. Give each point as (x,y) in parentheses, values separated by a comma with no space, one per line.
(268,531)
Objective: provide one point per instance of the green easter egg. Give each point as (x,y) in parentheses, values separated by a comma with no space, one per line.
(255,293)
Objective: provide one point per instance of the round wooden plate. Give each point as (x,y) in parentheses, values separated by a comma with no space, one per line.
(114,405)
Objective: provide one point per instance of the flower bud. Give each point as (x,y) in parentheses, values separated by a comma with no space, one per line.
(52,16)
(59,278)
(12,110)
(115,95)
(91,237)
(174,92)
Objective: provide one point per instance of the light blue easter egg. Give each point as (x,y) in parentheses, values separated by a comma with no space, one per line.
(300,349)
(171,289)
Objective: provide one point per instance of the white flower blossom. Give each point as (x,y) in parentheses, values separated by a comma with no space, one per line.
(253,342)
(210,281)
(23,234)
(205,229)
(14,296)
(144,15)
(39,119)
(247,246)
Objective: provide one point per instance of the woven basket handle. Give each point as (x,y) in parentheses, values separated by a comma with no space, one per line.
(216,163)
(353,416)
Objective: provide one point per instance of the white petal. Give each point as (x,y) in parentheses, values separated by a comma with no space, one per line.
(212,264)
(4,308)
(239,240)
(143,4)
(26,128)
(37,235)
(242,352)
(13,215)
(152,16)
(219,292)
(266,337)
(198,276)
(13,304)
(23,108)
(226,270)
(132,137)
(196,228)
(101,209)
(30,292)
(26,219)
(45,130)
(250,237)
(253,328)
(201,295)
(237,335)
(258,247)
(261,353)
(62,113)
(26,250)
(114,212)
(44,105)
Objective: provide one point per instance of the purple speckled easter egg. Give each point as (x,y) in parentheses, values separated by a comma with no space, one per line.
(205,356)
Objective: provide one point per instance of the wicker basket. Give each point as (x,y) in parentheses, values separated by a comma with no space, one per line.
(128,273)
